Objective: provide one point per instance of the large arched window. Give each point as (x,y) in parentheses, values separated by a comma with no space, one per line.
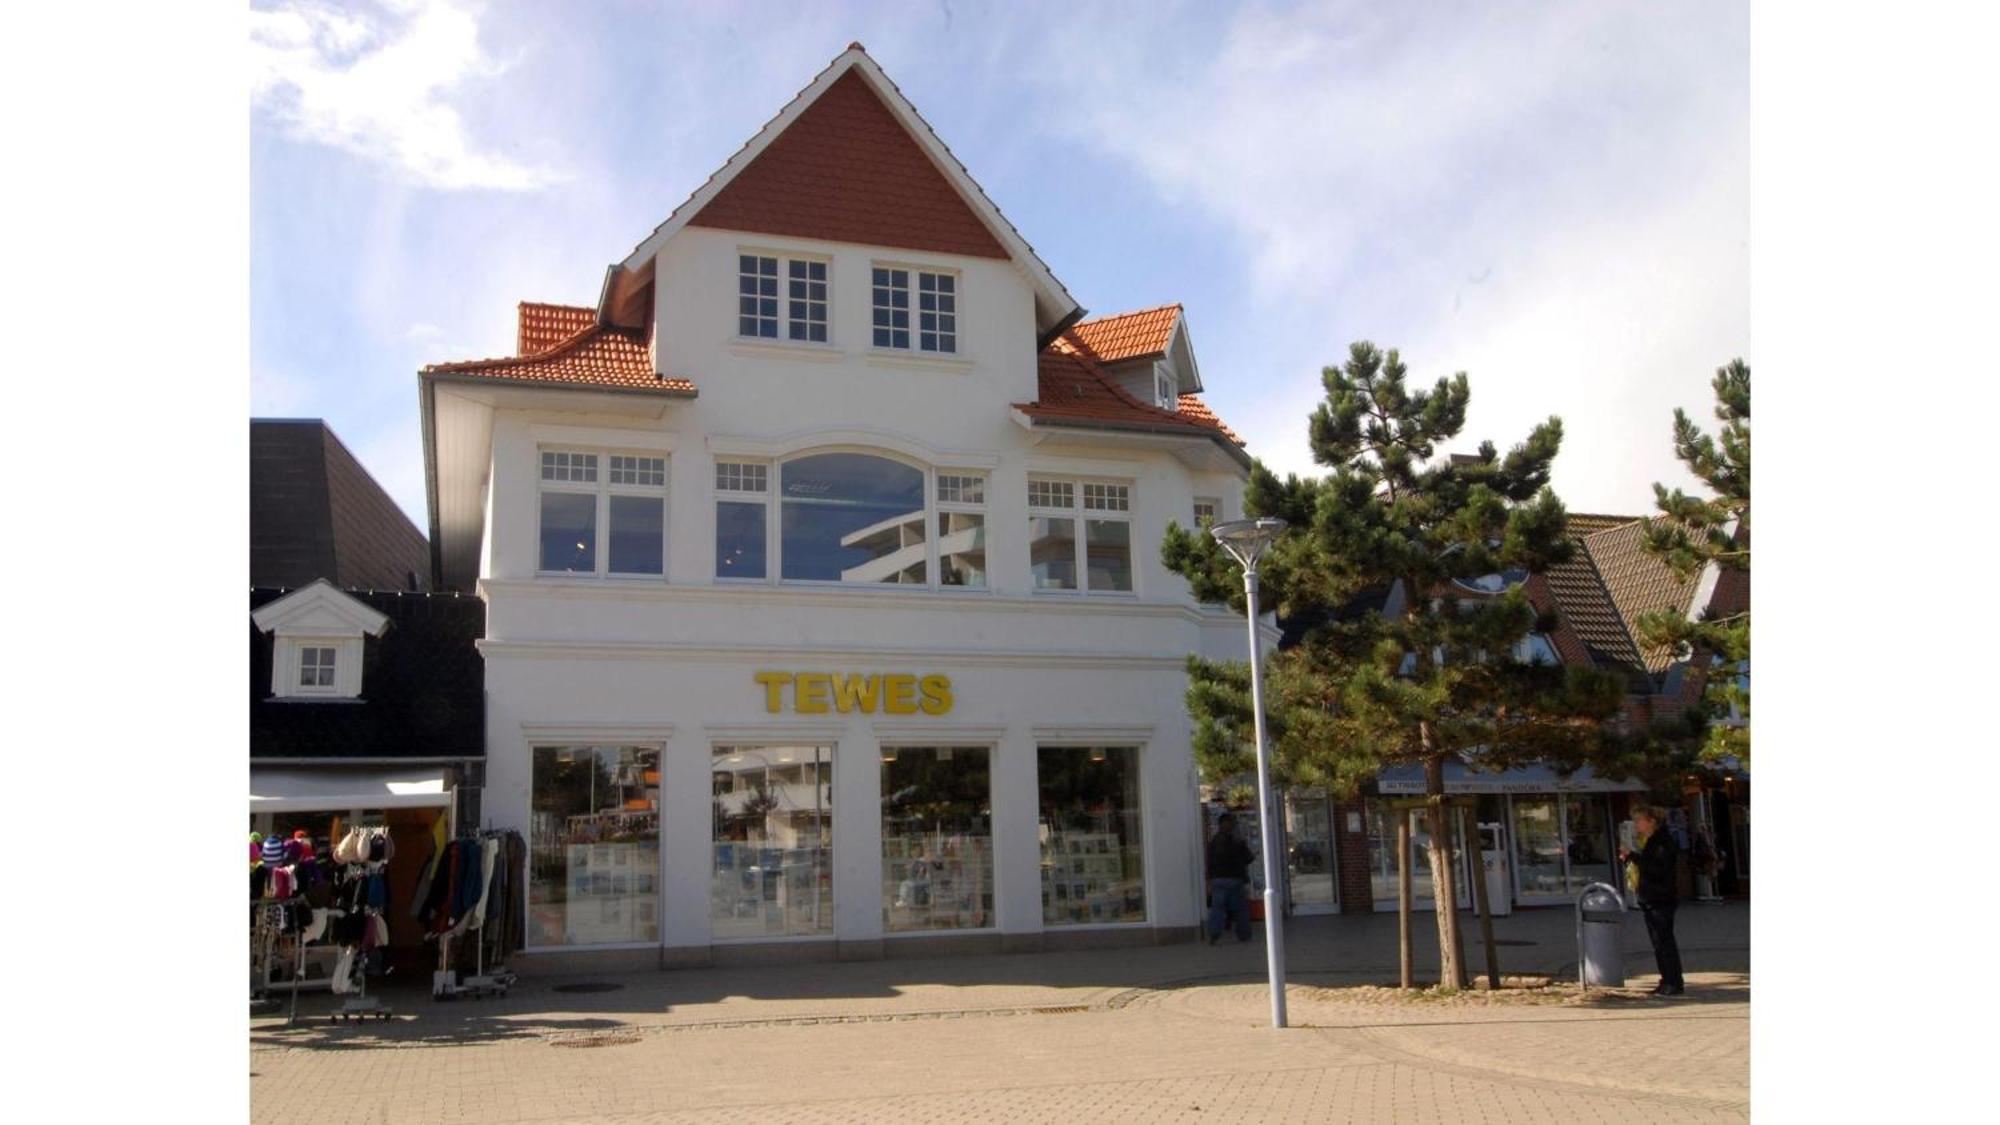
(852,517)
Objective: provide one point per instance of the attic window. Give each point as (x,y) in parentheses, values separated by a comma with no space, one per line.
(316,664)
(1166,394)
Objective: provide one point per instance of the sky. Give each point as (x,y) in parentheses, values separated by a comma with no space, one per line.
(1552,197)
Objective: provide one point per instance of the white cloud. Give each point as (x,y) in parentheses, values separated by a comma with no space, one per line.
(381,86)
(1553,198)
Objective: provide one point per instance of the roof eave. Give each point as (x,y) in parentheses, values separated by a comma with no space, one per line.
(1236,452)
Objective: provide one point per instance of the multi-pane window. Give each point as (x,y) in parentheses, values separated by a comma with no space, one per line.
(1165,393)
(742,504)
(1204,511)
(757,296)
(806,300)
(315,667)
(961,529)
(1086,546)
(801,315)
(937,309)
(937,312)
(614,523)
(891,301)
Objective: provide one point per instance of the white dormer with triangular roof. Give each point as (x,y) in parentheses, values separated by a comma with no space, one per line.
(319,634)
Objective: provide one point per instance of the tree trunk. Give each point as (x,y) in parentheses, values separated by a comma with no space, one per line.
(1444,886)
(1479,900)
(1405,940)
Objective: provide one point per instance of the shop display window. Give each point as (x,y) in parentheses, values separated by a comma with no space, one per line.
(594,846)
(937,838)
(772,842)
(1093,860)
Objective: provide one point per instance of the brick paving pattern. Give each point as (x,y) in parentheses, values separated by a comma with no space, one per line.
(1164,1035)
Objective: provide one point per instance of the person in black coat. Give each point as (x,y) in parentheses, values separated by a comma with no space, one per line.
(1228,865)
(1659,894)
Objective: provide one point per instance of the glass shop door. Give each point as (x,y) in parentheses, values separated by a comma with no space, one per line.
(1309,866)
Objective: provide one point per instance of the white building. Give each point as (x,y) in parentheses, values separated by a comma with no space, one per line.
(821,561)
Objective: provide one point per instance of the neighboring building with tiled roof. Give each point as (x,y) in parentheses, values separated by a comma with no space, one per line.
(911,520)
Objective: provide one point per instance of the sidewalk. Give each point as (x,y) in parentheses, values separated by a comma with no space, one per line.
(1153,1034)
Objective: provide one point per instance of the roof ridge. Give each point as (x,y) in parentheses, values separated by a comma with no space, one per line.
(1132,312)
(556,351)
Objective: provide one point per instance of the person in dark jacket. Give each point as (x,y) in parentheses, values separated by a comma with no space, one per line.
(1659,894)
(1228,877)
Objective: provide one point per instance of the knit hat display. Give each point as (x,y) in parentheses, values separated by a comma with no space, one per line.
(274,851)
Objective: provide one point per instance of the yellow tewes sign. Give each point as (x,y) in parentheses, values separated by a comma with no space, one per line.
(817,693)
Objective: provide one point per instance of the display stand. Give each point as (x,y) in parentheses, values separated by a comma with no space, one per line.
(484,981)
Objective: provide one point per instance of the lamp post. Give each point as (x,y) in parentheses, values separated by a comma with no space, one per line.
(1246,541)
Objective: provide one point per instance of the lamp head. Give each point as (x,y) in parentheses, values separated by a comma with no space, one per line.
(1247,540)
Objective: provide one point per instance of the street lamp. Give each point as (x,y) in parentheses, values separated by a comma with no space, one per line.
(1246,541)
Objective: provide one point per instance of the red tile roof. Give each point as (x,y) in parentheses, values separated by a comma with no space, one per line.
(847,171)
(592,355)
(1074,390)
(1129,335)
(543,326)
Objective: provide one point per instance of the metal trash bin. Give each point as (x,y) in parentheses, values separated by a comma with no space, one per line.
(1600,936)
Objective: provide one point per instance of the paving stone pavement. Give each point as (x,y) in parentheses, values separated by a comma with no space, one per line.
(1159,1035)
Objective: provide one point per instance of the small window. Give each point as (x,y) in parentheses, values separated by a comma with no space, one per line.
(741,476)
(1166,394)
(558,465)
(937,312)
(1107,497)
(639,470)
(1051,494)
(1204,512)
(956,489)
(316,667)
(757,296)
(806,300)
(891,299)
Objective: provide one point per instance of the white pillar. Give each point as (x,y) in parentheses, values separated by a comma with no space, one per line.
(1017,849)
(857,835)
(687,832)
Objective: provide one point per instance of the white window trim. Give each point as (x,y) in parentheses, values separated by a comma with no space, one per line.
(916,350)
(604,490)
(1078,512)
(1214,505)
(774,513)
(717,495)
(1166,388)
(288,657)
(783,341)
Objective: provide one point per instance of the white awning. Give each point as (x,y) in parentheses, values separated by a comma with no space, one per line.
(313,790)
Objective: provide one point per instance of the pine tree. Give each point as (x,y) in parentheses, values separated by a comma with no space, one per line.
(1431,675)
(1697,533)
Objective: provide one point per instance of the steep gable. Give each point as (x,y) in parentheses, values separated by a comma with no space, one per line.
(847,171)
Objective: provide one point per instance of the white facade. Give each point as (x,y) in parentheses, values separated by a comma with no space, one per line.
(671,661)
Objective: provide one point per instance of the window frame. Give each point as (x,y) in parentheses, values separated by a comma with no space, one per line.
(719,495)
(913,310)
(1080,513)
(1214,510)
(603,489)
(772,499)
(327,664)
(783,320)
(1166,389)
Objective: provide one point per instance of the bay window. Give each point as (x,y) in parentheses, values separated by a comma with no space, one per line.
(602,513)
(1080,535)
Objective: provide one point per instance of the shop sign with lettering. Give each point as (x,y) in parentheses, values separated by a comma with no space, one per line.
(819,693)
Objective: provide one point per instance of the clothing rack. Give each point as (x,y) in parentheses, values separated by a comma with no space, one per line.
(471,893)
(352,969)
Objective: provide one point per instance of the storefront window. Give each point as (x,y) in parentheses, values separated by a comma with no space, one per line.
(937,838)
(1538,846)
(1093,868)
(1382,855)
(594,858)
(773,841)
(1588,847)
(851,517)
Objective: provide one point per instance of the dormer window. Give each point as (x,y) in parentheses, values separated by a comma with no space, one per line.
(316,665)
(318,637)
(1166,393)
